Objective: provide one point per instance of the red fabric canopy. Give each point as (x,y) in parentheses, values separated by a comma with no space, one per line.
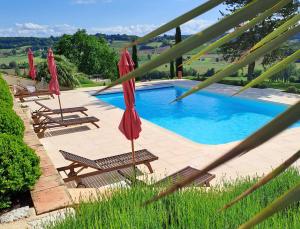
(32,71)
(130,124)
(53,85)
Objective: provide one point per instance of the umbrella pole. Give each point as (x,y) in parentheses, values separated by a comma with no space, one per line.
(61,114)
(133,159)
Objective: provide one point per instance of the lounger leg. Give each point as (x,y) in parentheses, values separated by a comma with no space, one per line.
(207,184)
(149,167)
(84,113)
(95,125)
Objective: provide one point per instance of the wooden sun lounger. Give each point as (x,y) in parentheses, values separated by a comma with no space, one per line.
(50,122)
(36,115)
(24,93)
(175,177)
(103,165)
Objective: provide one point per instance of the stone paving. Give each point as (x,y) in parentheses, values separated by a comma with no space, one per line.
(174,151)
(49,193)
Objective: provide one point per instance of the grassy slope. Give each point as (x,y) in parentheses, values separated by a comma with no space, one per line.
(189,209)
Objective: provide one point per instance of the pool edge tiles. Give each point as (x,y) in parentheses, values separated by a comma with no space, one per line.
(216,118)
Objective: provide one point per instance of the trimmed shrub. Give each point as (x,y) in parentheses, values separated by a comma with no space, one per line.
(292,89)
(10,122)
(5,95)
(19,168)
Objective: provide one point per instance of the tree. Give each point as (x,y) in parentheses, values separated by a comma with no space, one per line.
(135,56)
(90,54)
(178,39)
(237,47)
(172,70)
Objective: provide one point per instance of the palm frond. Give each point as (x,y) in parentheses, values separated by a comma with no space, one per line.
(271,71)
(178,21)
(246,13)
(277,125)
(285,26)
(237,32)
(290,197)
(249,58)
(276,172)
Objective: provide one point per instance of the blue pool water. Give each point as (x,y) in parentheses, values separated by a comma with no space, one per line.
(203,117)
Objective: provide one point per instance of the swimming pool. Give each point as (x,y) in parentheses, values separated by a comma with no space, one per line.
(203,117)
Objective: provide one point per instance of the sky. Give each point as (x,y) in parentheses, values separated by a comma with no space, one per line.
(133,17)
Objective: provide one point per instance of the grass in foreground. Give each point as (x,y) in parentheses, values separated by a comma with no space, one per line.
(192,208)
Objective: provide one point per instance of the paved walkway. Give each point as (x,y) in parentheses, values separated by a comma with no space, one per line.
(49,193)
(174,151)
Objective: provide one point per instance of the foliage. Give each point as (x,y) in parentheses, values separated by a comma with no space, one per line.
(236,48)
(189,72)
(178,39)
(154,75)
(247,59)
(292,89)
(210,72)
(285,74)
(35,42)
(5,95)
(90,54)
(179,20)
(10,122)
(65,69)
(135,56)
(19,167)
(237,32)
(84,81)
(12,64)
(192,208)
(172,70)
(217,29)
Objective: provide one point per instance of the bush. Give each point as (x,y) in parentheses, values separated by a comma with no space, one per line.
(19,168)
(10,122)
(156,75)
(189,72)
(209,72)
(5,95)
(292,89)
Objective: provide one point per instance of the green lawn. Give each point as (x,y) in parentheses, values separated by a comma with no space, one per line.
(192,208)
(19,59)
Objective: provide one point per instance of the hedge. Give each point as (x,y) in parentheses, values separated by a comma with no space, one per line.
(5,95)
(19,167)
(10,122)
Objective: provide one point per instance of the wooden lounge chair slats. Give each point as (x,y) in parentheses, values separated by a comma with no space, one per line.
(46,110)
(24,93)
(184,173)
(141,156)
(50,122)
(103,165)
(177,176)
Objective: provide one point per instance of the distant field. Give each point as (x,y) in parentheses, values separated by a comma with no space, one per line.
(19,59)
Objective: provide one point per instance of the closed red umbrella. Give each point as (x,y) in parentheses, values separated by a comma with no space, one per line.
(32,71)
(53,84)
(130,124)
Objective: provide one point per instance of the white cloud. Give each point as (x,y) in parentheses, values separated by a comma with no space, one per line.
(191,27)
(80,2)
(38,30)
(87,2)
